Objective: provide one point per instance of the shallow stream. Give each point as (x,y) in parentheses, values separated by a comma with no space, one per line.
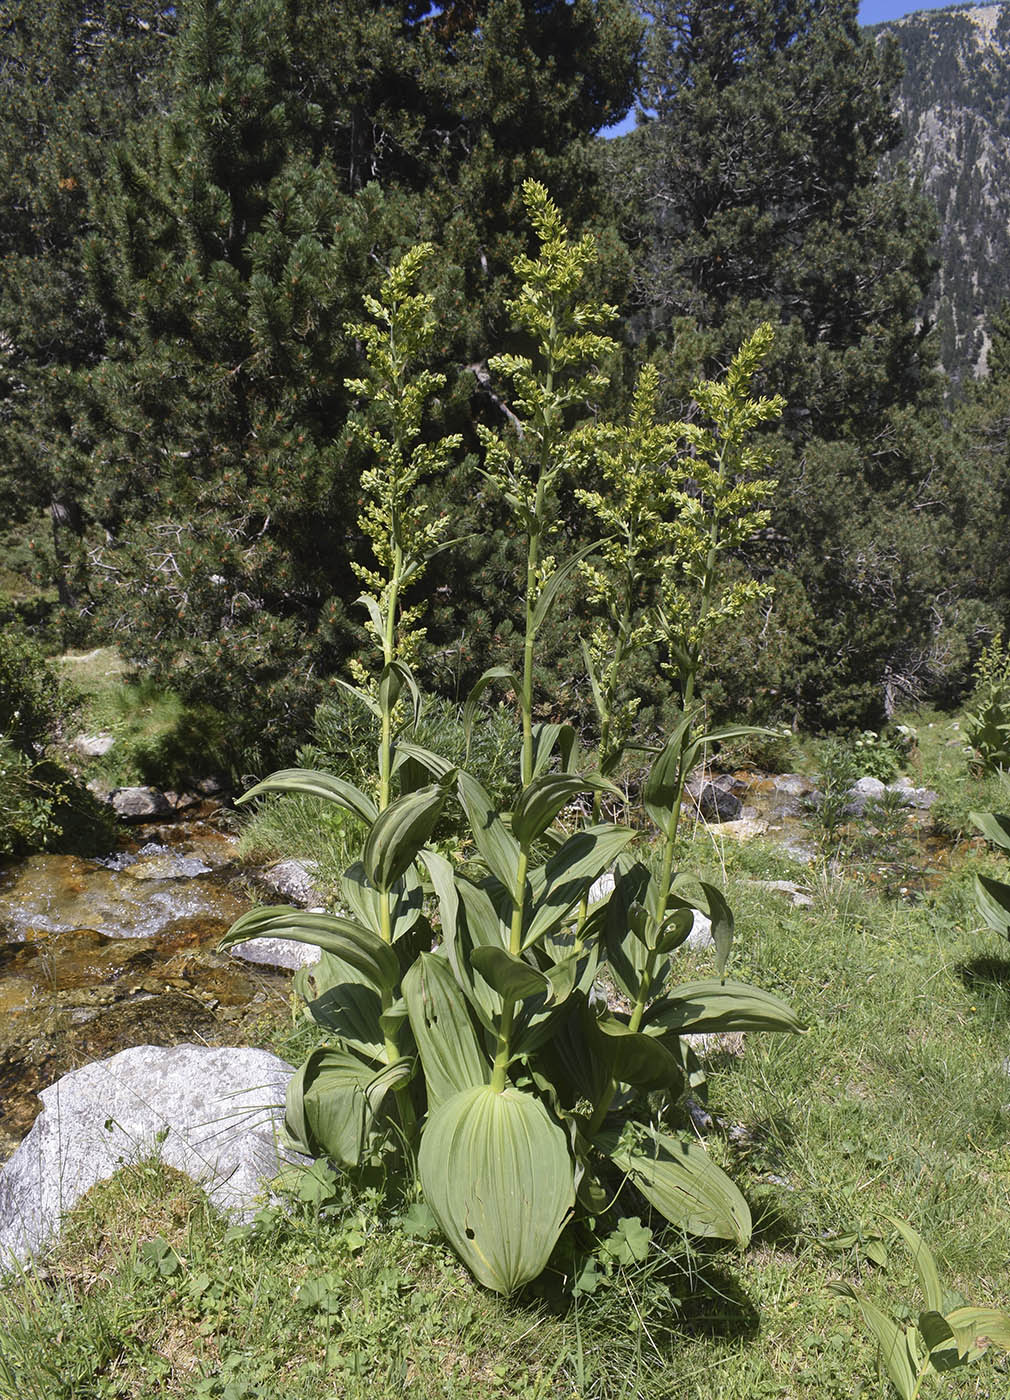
(98,955)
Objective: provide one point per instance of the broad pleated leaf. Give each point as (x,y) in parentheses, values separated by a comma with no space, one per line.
(352,942)
(314,784)
(638,1058)
(435,764)
(678,1177)
(972,1324)
(704,1007)
(940,1340)
(578,1062)
(327,1108)
(713,904)
(993,827)
(498,1177)
(568,875)
(512,979)
(341,1000)
(992,898)
(399,832)
(544,798)
(451,1055)
(498,848)
(365,901)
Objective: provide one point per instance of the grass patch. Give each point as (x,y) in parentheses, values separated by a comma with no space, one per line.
(894,1102)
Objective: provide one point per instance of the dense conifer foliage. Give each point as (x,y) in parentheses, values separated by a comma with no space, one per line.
(757,194)
(197,198)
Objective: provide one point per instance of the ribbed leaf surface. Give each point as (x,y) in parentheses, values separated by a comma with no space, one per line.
(498,1177)
(703,1007)
(315,784)
(679,1178)
(447,1043)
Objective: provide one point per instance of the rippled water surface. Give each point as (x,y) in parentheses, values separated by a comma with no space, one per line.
(98,955)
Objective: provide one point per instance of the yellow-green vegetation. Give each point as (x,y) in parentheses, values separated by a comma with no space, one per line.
(893,1104)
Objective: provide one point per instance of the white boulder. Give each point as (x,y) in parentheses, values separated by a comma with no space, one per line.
(211,1112)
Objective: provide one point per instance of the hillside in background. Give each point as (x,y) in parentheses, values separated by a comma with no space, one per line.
(955,108)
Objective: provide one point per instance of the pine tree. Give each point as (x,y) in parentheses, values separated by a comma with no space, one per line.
(757,195)
(75,73)
(302,150)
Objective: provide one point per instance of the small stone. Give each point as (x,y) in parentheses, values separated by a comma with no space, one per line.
(94,745)
(138,804)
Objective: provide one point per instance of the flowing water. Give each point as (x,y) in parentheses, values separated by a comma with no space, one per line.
(98,955)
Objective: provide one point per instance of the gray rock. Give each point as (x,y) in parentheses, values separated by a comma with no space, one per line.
(715,801)
(93,745)
(796,896)
(277,952)
(919,798)
(861,793)
(211,1112)
(140,804)
(294,879)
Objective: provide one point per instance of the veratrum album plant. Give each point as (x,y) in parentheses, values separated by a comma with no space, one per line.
(475,1037)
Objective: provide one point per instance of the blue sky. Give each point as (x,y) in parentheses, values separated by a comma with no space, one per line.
(873,11)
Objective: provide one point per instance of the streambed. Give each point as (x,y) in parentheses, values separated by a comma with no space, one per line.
(98,955)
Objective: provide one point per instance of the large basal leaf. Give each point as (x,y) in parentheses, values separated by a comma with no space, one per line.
(314,784)
(327,1108)
(451,1055)
(497,1174)
(992,899)
(352,942)
(544,798)
(993,827)
(703,1007)
(678,1177)
(399,832)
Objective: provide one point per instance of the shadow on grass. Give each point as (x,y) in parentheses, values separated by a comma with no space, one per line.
(687,1293)
(985,975)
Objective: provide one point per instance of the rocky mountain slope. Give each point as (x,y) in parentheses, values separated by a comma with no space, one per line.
(955,107)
